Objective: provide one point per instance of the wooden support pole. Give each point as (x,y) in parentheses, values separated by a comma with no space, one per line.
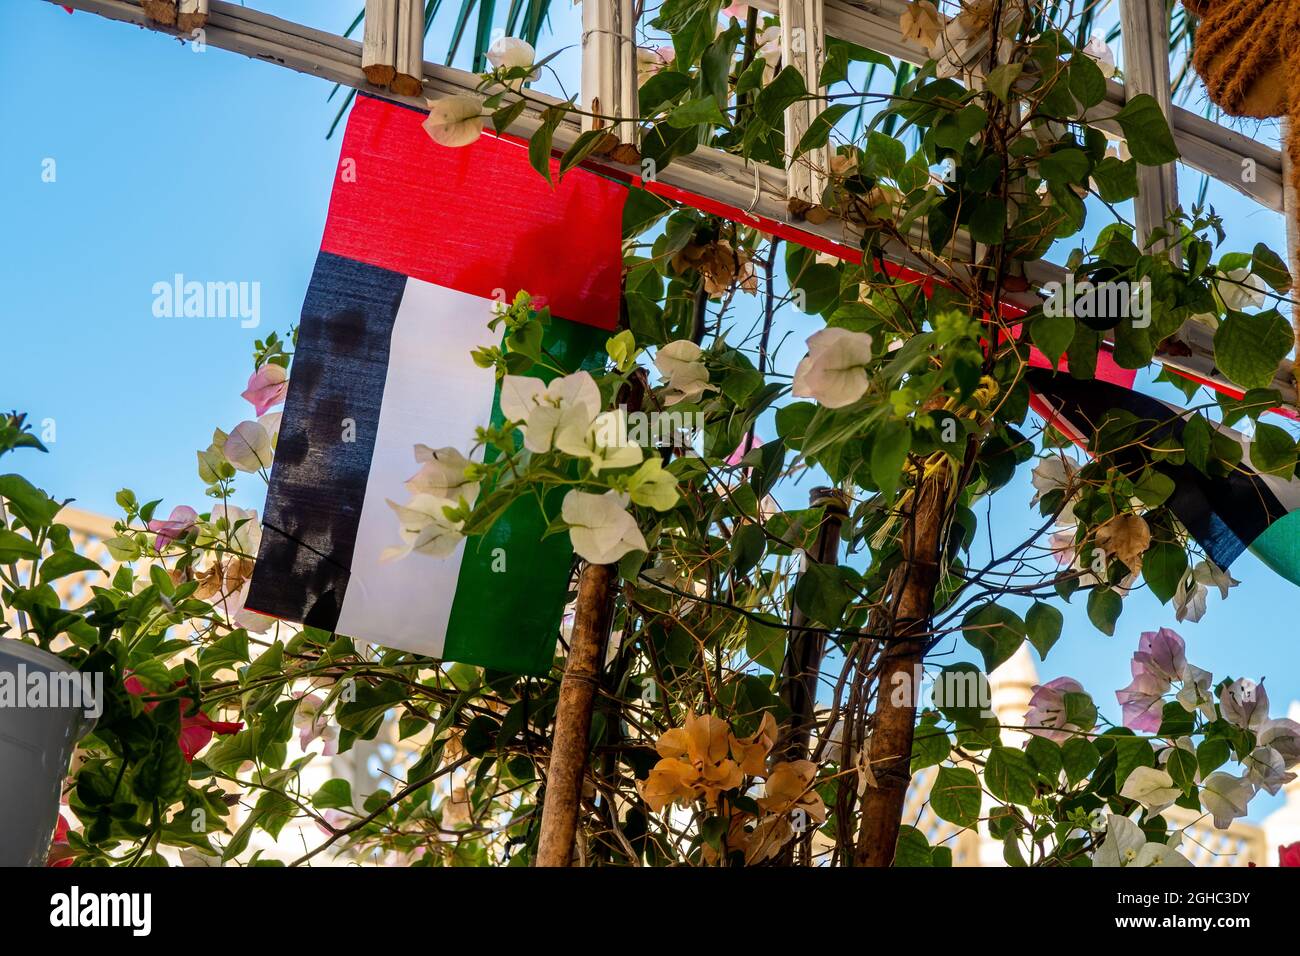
(379,42)
(803,46)
(893,724)
(804,650)
(1145,26)
(1291,215)
(191,15)
(409,79)
(568,763)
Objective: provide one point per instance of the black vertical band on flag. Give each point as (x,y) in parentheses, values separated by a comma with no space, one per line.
(1223,513)
(327,440)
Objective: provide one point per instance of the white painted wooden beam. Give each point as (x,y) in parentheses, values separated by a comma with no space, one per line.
(803,46)
(1205,146)
(712,173)
(1145,25)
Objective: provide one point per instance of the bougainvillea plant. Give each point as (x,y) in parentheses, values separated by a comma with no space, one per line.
(907,406)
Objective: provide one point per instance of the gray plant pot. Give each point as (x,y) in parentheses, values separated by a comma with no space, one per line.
(45,708)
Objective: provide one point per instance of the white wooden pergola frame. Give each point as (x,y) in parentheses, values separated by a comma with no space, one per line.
(761,194)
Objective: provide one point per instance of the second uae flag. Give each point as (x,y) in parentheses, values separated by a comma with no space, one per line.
(421,241)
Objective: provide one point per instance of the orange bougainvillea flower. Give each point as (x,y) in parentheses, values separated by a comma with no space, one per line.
(696,763)
(789,788)
(751,752)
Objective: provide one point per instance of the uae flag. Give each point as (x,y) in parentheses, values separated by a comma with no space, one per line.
(421,241)
(1243,509)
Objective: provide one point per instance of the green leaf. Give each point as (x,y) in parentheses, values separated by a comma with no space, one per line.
(539,146)
(988,219)
(1273,450)
(1104,607)
(1053,335)
(1043,627)
(1149,140)
(1250,348)
(893,440)
(930,744)
(582,148)
(1086,81)
(823,593)
(1068,166)
(33,507)
(995,632)
(1268,265)
(14,547)
(1001,78)
(1211,754)
(1045,757)
(819,130)
(747,545)
(1197,441)
(1116,179)
(772,100)
(1163,567)
(1181,766)
(1009,776)
(662,89)
(765,643)
(1079,757)
(956,795)
(62,563)
(335,794)
(694,112)
(913,848)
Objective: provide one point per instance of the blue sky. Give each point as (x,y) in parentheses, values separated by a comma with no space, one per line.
(216,167)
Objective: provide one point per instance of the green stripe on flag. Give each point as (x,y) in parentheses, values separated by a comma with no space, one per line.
(507,618)
(1279,546)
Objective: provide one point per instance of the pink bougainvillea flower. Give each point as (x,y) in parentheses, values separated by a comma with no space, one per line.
(738,455)
(1142,700)
(737,10)
(181,520)
(1289,855)
(1046,714)
(1160,653)
(313,723)
(267,387)
(61,854)
(197,731)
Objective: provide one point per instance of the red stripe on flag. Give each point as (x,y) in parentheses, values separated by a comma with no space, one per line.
(477,219)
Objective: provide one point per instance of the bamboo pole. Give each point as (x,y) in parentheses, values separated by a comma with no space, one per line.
(893,723)
(1291,216)
(568,763)
(379,42)
(409,80)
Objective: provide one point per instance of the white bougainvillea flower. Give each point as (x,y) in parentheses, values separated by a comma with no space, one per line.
(834,372)
(455,120)
(653,486)
(1162,653)
(1101,53)
(686,379)
(509,53)
(241,616)
(737,10)
(271,422)
(425,528)
(1047,714)
(605,444)
(1056,473)
(1283,735)
(769,43)
(1226,797)
(1126,845)
(1241,289)
(600,527)
(1152,788)
(248,447)
(1244,704)
(235,528)
(560,412)
(1266,769)
(1195,692)
(442,474)
(1189,599)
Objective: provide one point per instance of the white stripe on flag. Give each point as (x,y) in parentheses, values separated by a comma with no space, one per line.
(434,394)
